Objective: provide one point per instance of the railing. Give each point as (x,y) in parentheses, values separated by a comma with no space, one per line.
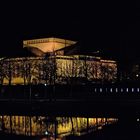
(33,92)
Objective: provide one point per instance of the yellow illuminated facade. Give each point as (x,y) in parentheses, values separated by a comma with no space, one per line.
(57,67)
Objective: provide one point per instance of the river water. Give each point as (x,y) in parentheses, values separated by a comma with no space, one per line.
(52,126)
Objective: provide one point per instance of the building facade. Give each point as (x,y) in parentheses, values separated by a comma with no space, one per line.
(55,69)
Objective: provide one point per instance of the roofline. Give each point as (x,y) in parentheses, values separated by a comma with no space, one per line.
(45,40)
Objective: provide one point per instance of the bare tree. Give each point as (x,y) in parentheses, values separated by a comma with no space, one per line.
(1,71)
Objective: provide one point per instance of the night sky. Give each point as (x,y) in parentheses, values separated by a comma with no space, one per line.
(112,27)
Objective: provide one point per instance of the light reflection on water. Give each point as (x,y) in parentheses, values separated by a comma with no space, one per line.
(52,126)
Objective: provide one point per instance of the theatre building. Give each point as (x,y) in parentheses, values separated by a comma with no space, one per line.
(56,61)
(49,62)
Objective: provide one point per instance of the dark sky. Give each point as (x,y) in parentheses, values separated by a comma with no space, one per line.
(112,27)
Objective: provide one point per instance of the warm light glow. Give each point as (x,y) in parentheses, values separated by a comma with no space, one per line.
(48,44)
(26,125)
(36,69)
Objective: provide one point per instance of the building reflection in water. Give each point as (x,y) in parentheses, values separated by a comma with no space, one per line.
(52,126)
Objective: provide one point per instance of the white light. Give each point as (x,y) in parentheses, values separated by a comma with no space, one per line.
(100,89)
(95,90)
(45,84)
(137,75)
(46,133)
(127,90)
(138,120)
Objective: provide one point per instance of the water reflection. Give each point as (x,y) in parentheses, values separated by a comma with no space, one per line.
(52,126)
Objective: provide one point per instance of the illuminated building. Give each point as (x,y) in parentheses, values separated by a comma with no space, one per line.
(53,63)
